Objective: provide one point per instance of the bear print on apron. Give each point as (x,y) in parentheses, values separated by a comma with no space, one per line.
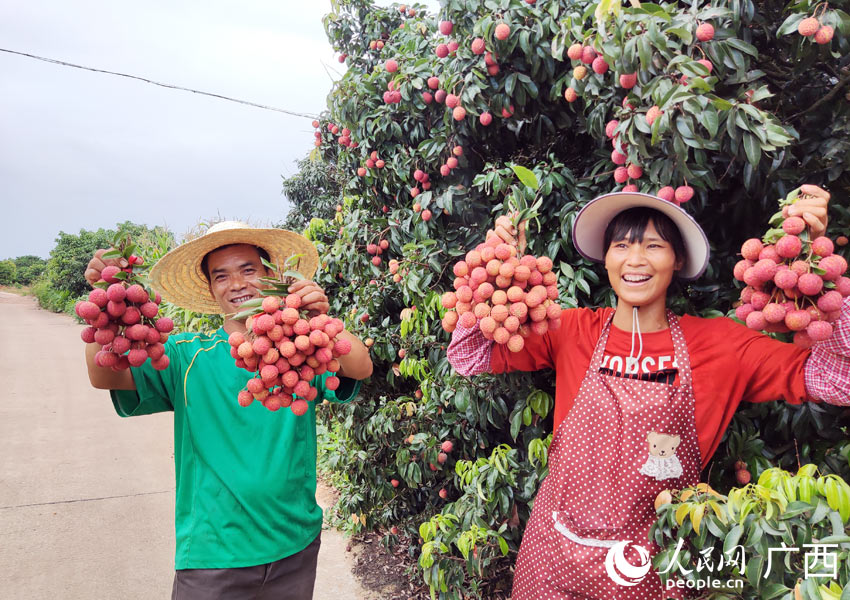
(623,442)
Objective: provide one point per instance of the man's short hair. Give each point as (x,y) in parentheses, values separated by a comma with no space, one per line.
(206,268)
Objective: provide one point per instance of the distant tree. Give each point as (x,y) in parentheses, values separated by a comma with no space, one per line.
(28,268)
(68,259)
(313,192)
(7,272)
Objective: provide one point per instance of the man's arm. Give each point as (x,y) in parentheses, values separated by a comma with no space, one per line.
(356,364)
(105,378)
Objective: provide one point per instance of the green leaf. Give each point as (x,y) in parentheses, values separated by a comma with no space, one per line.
(526,176)
(790,24)
(752,148)
(111,254)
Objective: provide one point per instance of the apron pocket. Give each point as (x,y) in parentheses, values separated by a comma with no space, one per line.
(577,559)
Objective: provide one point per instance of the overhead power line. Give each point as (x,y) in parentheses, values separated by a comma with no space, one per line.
(165,85)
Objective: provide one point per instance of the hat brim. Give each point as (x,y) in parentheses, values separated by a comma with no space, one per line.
(589,228)
(180,280)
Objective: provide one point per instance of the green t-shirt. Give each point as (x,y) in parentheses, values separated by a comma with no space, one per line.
(246,477)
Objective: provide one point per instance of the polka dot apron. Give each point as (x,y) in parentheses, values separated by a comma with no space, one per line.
(623,442)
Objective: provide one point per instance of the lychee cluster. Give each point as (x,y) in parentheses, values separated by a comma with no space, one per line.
(375,250)
(374,161)
(343,135)
(286,350)
(793,284)
(122,318)
(812,27)
(505,295)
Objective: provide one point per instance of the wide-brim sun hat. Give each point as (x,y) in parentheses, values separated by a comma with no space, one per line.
(180,280)
(592,220)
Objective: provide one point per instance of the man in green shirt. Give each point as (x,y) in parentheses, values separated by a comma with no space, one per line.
(246,518)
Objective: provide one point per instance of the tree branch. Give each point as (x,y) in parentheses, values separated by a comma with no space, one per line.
(832,93)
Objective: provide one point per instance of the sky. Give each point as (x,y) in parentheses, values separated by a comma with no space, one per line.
(83,150)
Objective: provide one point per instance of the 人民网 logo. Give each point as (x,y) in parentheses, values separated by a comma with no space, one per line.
(620,570)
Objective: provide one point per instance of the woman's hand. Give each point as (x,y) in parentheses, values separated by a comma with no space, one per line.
(506,231)
(811,207)
(313,298)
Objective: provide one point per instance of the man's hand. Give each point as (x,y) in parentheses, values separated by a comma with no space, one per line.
(811,207)
(313,298)
(97,264)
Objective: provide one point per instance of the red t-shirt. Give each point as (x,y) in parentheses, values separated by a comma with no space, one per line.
(729,363)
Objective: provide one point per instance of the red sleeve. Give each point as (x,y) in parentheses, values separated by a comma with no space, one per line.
(539,351)
(772,370)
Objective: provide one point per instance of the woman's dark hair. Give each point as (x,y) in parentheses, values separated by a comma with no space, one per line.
(206,268)
(632,223)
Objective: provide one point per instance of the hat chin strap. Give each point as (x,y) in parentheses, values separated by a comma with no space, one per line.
(635,326)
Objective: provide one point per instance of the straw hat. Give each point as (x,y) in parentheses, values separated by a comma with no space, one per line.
(180,280)
(592,220)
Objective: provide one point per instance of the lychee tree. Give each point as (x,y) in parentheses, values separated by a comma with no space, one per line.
(722,106)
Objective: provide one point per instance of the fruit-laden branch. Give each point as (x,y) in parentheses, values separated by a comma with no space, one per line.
(837,88)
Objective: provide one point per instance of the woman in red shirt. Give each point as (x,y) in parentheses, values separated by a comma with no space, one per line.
(642,396)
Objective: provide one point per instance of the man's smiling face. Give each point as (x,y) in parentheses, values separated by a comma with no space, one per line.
(234,273)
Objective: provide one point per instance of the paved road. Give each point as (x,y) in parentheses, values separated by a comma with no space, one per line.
(87,498)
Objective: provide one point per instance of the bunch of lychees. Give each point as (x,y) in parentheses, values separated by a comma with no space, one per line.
(794,283)
(122,315)
(286,349)
(505,294)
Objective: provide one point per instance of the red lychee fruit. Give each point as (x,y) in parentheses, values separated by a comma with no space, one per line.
(684,193)
(774,313)
(634,171)
(485,119)
(137,357)
(707,64)
(751,249)
(570,95)
(793,225)
(441,51)
(797,320)
(599,65)
(611,128)
(298,407)
(756,320)
(743,476)
(136,293)
(810,284)
(116,292)
(164,324)
(508,112)
(618,158)
(446,27)
(503,30)
(667,193)
(808,27)
(785,279)
(705,32)
(444,493)
(653,113)
(108,274)
(621,174)
(391,66)
(830,301)
(588,55)
(822,246)
(819,331)
(628,80)
(478,46)
(835,265)
(574,51)
(87,310)
(824,34)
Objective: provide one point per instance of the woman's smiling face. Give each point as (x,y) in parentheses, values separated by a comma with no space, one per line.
(640,270)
